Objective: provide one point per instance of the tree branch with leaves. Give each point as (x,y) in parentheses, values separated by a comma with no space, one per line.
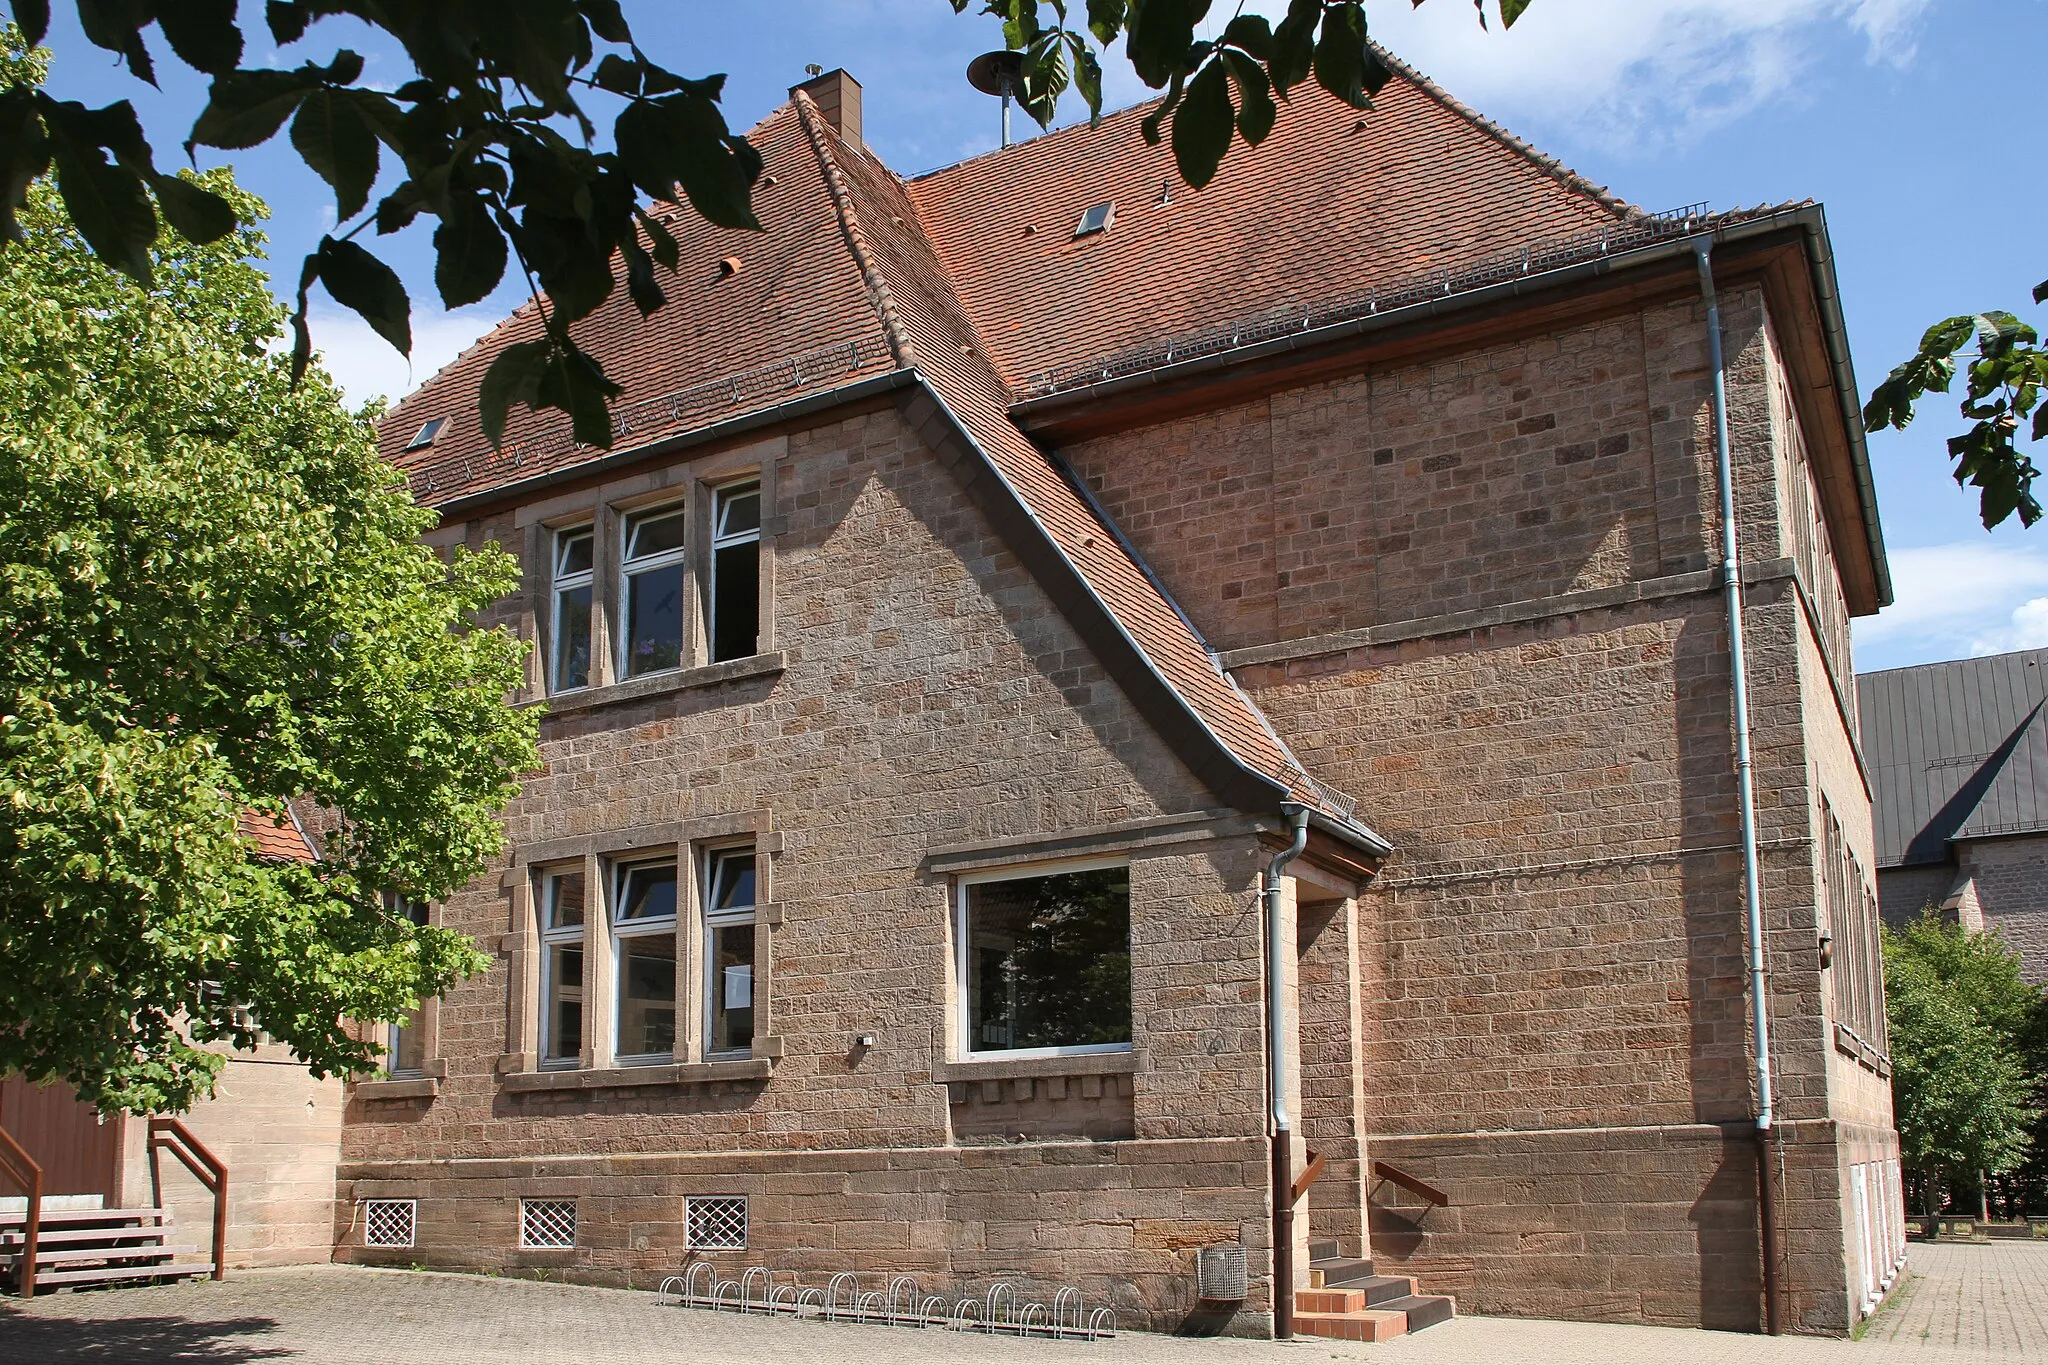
(497,138)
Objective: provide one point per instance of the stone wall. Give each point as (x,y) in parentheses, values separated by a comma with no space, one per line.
(1473,592)
(2011,877)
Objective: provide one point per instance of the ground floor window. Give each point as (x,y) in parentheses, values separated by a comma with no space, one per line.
(644,931)
(547,1223)
(561,966)
(406,1043)
(729,921)
(1045,960)
(716,1223)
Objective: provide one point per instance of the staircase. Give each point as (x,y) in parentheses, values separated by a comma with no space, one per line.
(92,1245)
(1348,1302)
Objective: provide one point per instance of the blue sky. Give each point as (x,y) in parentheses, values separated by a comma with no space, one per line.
(1866,105)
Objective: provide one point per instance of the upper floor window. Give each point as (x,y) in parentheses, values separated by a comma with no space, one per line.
(651,570)
(729,920)
(406,1043)
(1045,961)
(736,572)
(561,966)
(574,562)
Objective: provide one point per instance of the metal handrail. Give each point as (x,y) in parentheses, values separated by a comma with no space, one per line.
(1410,1183)
(208,1169)
(25,1171)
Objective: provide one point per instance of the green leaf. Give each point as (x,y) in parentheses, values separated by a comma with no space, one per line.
(1252,33)
(287,20)
(1294,45)
(366,286)
(1256,112)
(1511,10)
(203,33)
(1341,56)
(335,141)
(1105,19)
(469,251)
(660,241)
(246,108)
(573,383)
(641,286)
(682,138)
(33,17)
(108,204)
(514,374)
(606,20)
(1202,125)
(117,25)
(24,155)
(197,213)
(1158,37)
(2041,292)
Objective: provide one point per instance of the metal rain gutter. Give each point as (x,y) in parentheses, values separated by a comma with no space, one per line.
(1745,783)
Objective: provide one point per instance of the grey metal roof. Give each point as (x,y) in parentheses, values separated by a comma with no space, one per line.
(1956,751)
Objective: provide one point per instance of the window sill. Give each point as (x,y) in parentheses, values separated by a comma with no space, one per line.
(1033,1068)
(659,684)
(641,1077)
(400,1088)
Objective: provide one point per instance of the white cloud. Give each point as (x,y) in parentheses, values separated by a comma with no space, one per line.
(366,367)
(1634,74)
(1965,598)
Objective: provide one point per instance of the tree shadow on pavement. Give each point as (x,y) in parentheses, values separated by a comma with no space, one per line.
(53,1339)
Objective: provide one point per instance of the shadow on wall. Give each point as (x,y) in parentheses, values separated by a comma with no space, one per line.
(56,1339)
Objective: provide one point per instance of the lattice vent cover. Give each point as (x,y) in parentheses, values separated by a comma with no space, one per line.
(717,1224)
(547,1222)
(389,1222)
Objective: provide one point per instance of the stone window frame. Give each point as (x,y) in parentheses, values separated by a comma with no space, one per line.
(597,1066)
(960,1050)
(696,485)
(423,1082)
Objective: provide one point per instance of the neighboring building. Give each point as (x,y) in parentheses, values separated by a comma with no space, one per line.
(990,567)
(1958,754)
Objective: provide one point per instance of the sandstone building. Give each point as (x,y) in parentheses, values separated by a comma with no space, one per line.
(998,569)
(1959,755)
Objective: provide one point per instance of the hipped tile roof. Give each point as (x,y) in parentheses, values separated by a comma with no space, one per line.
(970,278)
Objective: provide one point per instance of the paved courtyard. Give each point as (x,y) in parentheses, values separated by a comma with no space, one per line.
(1964,1303)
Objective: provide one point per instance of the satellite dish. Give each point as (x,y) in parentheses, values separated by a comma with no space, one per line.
(998,73)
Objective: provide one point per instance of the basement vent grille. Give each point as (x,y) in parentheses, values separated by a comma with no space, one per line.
(716,1224)
(547,1222)
(389,1222)
(1220,1274)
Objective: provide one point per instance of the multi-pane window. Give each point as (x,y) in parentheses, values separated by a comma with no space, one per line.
(1045,961)
(651,591)
(561,966)
(644,939)
(406,1043)
(729,949)
(1858,970)
(736,572)
(569,668)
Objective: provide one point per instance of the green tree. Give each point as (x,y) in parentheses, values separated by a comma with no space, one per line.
(1965,1087)
(497,143)
(212,600)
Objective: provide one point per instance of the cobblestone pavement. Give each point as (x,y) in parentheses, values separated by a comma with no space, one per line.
(1963,1303)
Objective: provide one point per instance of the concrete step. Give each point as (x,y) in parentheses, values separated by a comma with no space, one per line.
(1324,1249)
(1341,1271)
(1423,1310)
(1365,1324)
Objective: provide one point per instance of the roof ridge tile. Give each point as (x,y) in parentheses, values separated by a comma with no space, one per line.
(879,294)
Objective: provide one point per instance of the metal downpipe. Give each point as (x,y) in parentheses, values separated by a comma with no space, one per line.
(1276,1082)
(1745,781)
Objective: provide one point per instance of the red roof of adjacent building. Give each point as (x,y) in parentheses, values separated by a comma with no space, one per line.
(971,278)
(281,840)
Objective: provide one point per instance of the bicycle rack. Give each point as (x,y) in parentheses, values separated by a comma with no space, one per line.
(763,1290)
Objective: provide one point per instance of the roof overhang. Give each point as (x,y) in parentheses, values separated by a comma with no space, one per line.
(1787,249)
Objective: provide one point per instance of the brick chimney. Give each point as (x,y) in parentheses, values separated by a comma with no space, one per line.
(838,97)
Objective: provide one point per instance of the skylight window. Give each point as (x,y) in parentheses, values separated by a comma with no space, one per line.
(427,434)
(1096,219)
